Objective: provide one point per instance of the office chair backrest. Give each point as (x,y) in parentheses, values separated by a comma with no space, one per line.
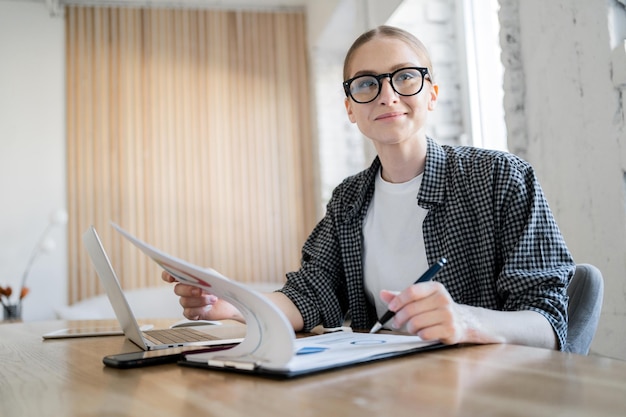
(585,291)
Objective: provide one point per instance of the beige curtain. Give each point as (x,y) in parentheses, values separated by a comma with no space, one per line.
(191,129)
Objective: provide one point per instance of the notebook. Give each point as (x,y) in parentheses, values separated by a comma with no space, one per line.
(270,347)
(157,338)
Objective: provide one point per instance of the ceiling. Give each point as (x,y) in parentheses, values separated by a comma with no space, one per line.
(332,24)
(222,4)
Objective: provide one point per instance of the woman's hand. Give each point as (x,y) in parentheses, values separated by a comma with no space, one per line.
(200,305)
(428,310)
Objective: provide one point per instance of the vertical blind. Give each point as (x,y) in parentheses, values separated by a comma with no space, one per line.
(191,129)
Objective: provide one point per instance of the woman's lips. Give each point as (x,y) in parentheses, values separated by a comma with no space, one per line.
(390,115)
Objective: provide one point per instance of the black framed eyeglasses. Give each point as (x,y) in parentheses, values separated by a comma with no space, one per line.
(405,81)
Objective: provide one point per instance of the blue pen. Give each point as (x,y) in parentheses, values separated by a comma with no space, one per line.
(426,276)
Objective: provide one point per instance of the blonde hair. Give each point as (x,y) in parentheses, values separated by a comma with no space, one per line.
(389,32)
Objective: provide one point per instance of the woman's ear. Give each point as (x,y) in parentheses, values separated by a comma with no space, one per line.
(348,105)
(432,100)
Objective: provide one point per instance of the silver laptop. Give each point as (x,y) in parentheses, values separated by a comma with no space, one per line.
(158,338)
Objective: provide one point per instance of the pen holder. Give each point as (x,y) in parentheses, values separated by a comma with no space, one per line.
(12,312)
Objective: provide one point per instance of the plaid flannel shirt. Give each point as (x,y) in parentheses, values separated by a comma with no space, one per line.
(487,215)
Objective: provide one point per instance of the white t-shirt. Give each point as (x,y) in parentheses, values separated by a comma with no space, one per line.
(393,239)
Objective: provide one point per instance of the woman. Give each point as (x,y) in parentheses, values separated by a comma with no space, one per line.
(508,266)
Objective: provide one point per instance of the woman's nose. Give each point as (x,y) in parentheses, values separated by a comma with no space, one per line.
(387,93)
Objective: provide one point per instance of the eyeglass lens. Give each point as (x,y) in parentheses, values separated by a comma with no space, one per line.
(405,81)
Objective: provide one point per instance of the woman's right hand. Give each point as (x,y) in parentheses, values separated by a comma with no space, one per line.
(200,305)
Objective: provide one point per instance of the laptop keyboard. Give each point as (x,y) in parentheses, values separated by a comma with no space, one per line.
(179,335)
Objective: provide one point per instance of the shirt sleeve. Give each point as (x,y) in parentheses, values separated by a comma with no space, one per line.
(317,288)
(537,265)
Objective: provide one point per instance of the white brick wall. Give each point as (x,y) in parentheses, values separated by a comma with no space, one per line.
(513,77)
(434,23)
(570,122)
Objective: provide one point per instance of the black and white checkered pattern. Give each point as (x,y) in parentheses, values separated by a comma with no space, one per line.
(487,215)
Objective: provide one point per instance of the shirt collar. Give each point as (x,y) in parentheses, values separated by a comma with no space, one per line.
(433,189)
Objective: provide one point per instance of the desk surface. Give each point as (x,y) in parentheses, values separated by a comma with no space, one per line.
(67,378)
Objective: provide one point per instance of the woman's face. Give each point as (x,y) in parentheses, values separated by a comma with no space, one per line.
(391,118)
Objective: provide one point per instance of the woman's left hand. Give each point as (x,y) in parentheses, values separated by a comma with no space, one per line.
(427,309)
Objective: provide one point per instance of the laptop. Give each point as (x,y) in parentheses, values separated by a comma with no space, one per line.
(210,335)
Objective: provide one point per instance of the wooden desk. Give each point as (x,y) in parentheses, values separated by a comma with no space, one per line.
(67,378)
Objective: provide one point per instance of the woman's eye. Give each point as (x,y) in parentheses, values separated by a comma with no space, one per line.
(405,76)
(366,83)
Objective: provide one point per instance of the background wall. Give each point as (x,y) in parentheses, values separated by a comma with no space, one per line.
(32,151)
(573,116)
(564,113)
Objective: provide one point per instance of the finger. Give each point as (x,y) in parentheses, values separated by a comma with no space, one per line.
(444,333)
(197,313)
(186,290)
(436,317)
(386,296)
(414,293)
(165,276)
(438,300)
(201,301)
(442,318)
(439,303)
